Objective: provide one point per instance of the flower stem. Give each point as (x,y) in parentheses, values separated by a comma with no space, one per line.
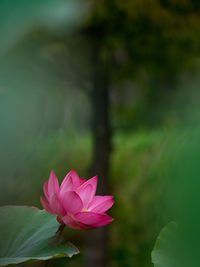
(60,229)
(58,233)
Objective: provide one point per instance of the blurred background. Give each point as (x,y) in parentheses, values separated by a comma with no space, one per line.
(108,88)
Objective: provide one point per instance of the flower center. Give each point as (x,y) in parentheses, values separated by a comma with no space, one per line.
(84,210)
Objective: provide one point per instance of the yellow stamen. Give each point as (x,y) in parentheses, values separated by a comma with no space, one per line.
(85,210)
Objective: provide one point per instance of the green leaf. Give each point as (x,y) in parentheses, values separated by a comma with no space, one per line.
(163,254)
(27,233)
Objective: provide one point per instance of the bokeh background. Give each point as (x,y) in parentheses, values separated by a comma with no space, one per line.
(108,88)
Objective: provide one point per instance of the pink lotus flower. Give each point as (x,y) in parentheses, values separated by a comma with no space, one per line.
(75,203)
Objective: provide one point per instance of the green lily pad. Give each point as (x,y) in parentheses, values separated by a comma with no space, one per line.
(164,254)
(27,233)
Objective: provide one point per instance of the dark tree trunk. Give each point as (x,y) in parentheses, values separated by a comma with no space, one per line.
(101,138)
(97,240)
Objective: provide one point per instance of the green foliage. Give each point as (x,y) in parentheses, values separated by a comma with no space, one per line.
(27,234)
(179,246)
(148,36)
(135,162)
(59,152)
(19,17)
